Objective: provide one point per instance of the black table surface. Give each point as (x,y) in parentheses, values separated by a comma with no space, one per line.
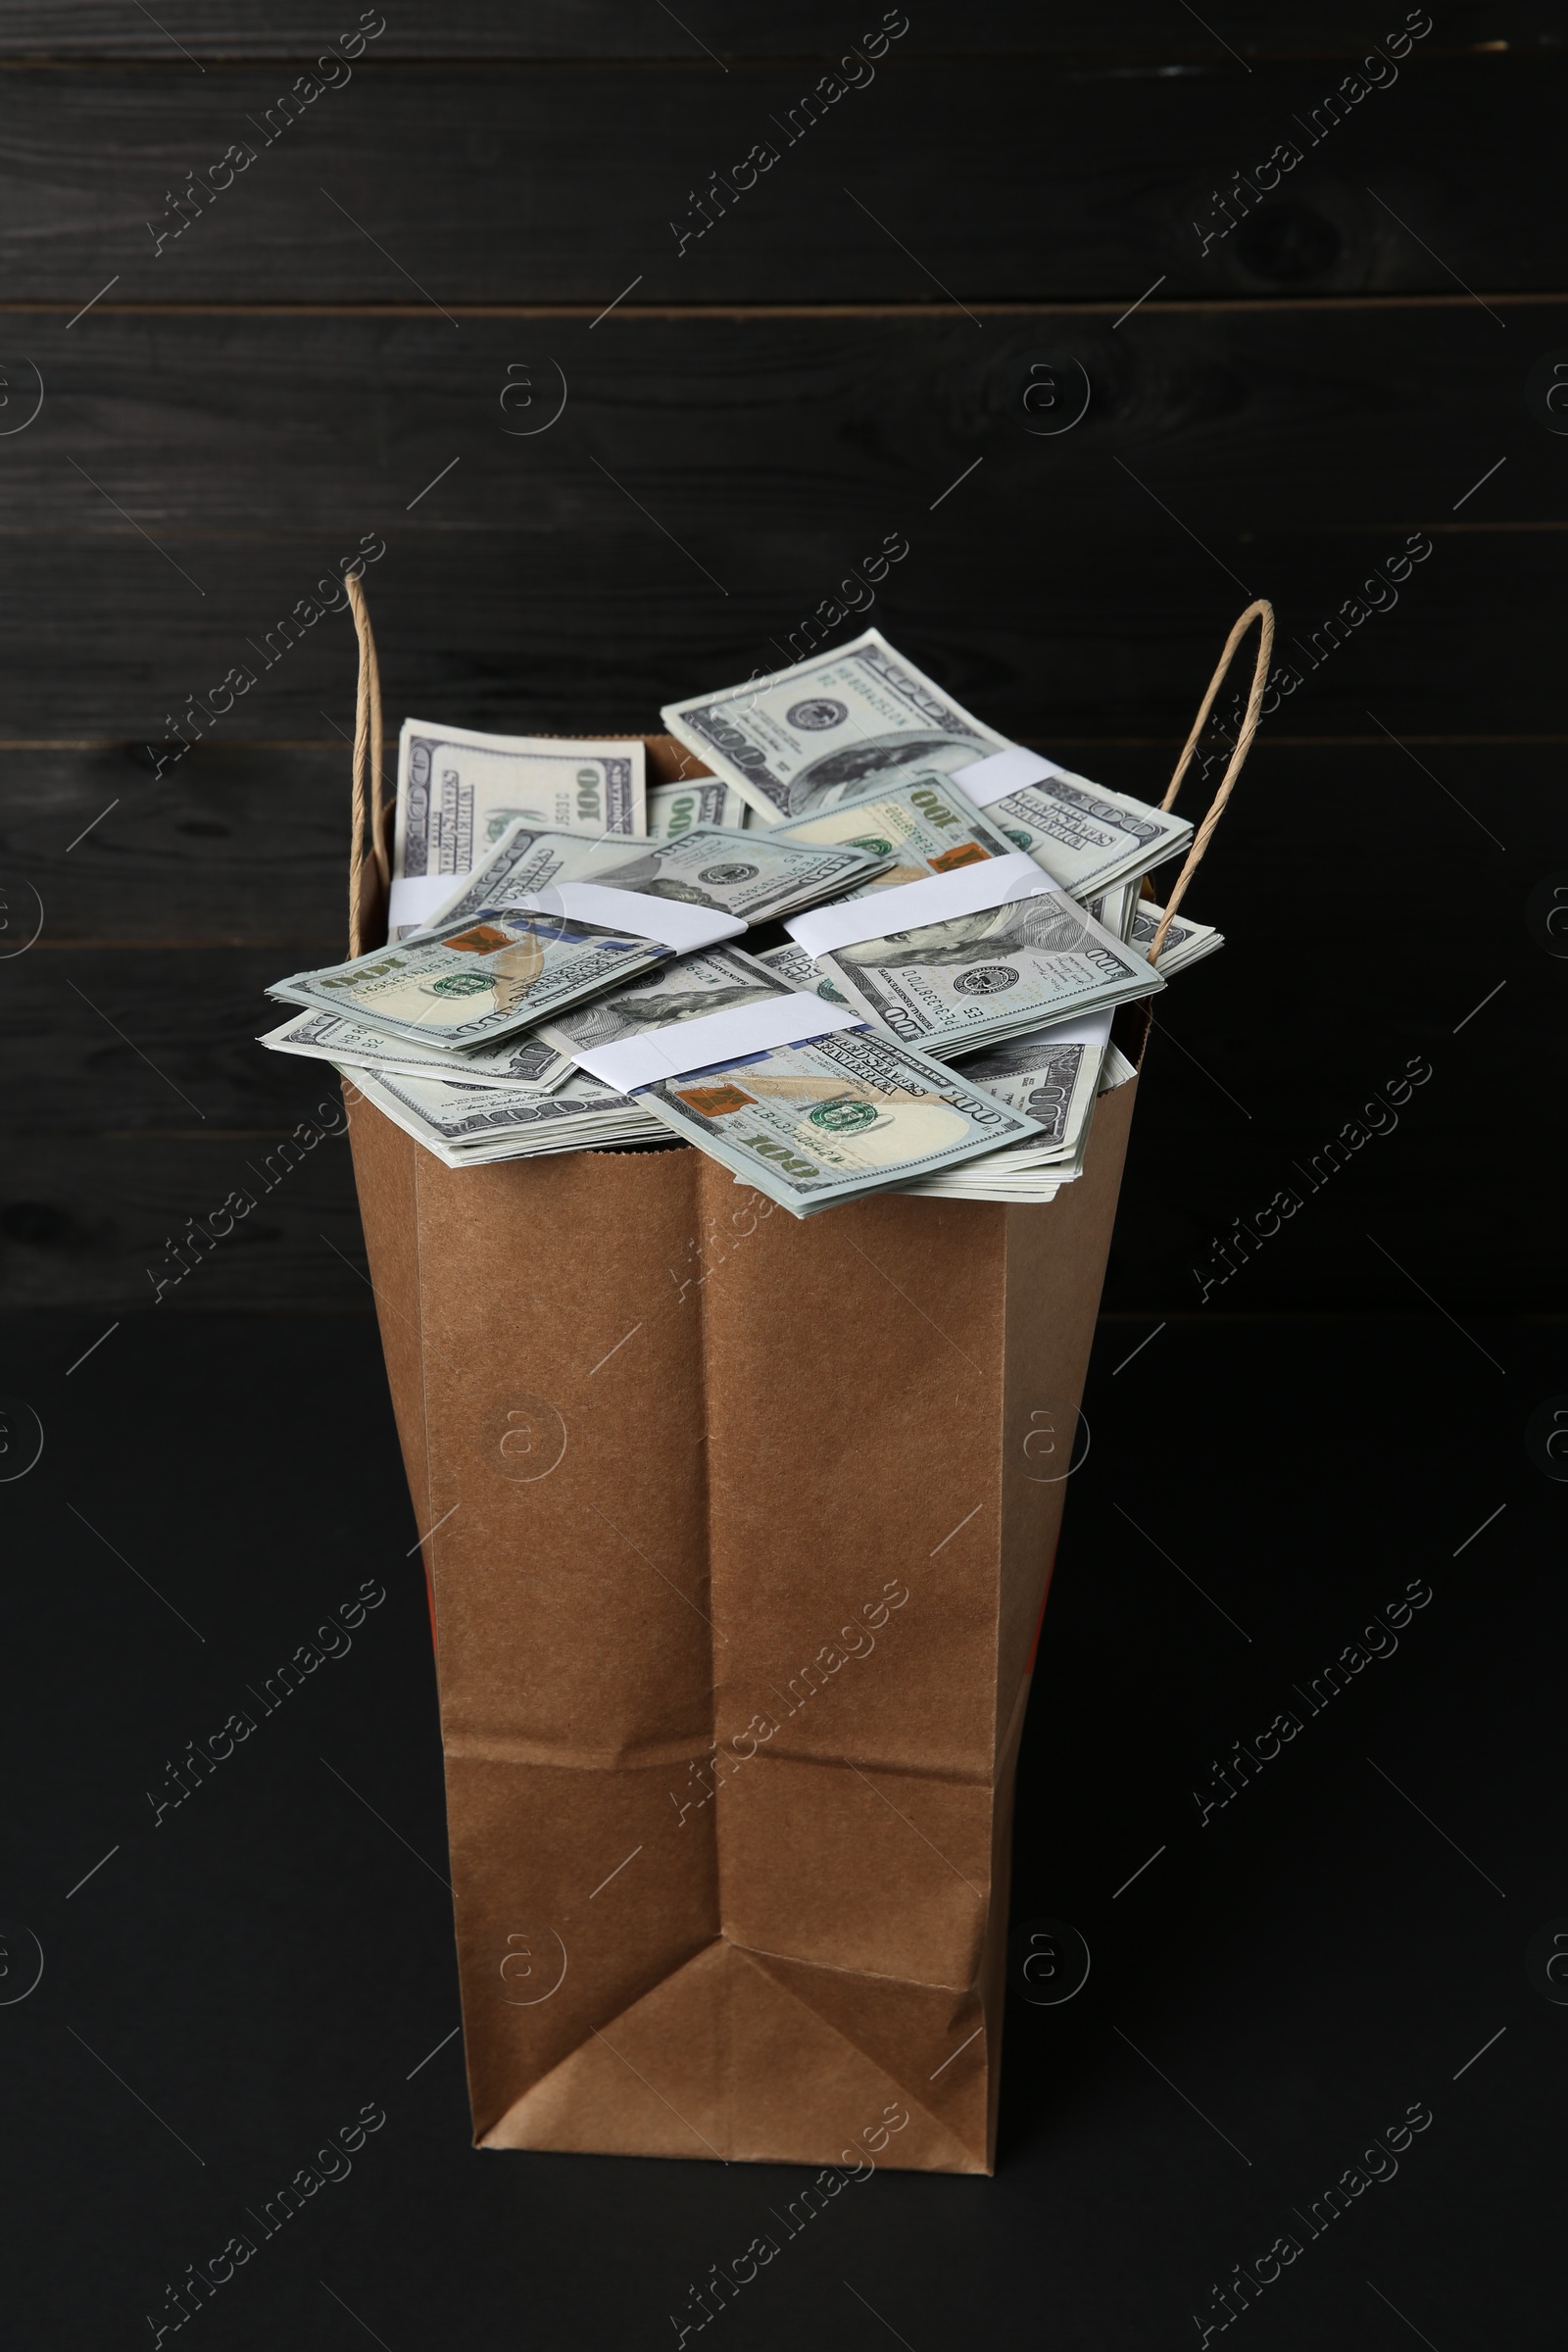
(1358,1940)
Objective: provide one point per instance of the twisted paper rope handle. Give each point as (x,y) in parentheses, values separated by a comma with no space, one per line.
(367,748)
(1262,612)
(366,757)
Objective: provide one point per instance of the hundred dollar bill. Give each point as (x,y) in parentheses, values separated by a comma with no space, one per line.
(523,1063)
(792,964)
(832,1118)
(458,790)
(466,1126)
(1083,835)
(523,860)
(712,980)
(1117,908)
(470,984)
(843,724)
(977,977)
(747,876)
(924,827)
(998,1178)
(830,730)
(1053,1074)
(1185,943)
(704,801)
(1030,1187)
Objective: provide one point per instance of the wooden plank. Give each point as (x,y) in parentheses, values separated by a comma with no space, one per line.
(475,185)
(314,430)
(591,635)
(232,845)
(261,867)
(1358,974)
(110,1041)
(92,1227)
(710,483)
(601,29)
(1394,929)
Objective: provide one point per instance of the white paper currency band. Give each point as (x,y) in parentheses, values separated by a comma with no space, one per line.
(1081,1029)
(673,922)
(634,1061)
(934,900)
(988,780)
(416,897)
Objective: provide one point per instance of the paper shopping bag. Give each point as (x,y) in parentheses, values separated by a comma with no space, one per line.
(737,1533)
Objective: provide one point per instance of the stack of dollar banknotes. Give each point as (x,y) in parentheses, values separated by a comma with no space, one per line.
(867,946)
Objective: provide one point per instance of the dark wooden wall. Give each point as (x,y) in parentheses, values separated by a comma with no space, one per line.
(240,408)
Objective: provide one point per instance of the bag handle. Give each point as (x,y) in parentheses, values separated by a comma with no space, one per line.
(1262,612)
(368,743)
(368,746)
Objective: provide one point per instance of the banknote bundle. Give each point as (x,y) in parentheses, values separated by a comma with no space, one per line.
(801,1101)
(842,726)
(967,959)
(749,877)
(520,1063)
(1185,943)
(877,947)
(471,982)
(702,800)
(466,1125)
(1055,1076)
(458,791)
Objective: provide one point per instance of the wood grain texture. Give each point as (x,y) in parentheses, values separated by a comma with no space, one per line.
(596,30)
(119,1051)
(591,635)
(233,847)
(92,1226)
(474,185)
(245,428)
(116,1041)
(231,418)
(247,850)
(709,483)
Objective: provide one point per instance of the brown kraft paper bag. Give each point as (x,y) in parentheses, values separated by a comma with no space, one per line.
(738,1532)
